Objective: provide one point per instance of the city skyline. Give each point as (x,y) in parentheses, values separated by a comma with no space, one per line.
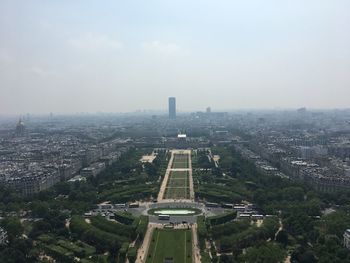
(121,57)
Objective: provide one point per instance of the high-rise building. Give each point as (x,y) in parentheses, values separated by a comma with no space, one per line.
(172,108)
(20,128)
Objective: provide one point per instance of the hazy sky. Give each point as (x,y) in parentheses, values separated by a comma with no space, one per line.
(112,56)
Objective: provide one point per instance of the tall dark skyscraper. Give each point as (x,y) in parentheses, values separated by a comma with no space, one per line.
(172,108)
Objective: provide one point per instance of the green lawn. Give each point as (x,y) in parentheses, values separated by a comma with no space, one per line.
(175,177)
(180,165)
(180,157)
(180,161)
(178,185)
(178,179)
(178,174)
(177,193)
(170,243)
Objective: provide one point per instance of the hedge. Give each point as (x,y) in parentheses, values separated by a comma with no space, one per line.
(132,254)
(221,219)
(202,231)
(142,226)
(124,218)
(112,227)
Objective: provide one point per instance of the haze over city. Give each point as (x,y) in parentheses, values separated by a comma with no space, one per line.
(173,131)
(120,56)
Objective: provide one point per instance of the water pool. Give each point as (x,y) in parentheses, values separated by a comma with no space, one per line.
(174,212)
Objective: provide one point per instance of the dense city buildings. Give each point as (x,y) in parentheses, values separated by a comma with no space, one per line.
(37,160)
(310,146)
(306,146)
(347,238)
(3,236)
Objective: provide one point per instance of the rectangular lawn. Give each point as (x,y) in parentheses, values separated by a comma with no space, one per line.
(178,185)
(180,161)
(177,193)
(170,244)
(178,174)
(180,165)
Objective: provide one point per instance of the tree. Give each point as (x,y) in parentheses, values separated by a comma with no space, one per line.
(282,237)
(11,255)
(336,223)
(40,209)
(300,254)
(150,169)
(40,227)
(264,252)
(62,188)
(226,259)
(13,227)
(293,193)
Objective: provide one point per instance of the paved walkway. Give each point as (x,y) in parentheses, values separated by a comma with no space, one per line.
(191,177)
(166,178)
(195,245)
(143,250)
(176,201)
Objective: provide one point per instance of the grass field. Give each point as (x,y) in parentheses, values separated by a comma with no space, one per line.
(180,161)
(177,193)
(178,182)
(179,165)
(179,174)
(178,185)
(172,244)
